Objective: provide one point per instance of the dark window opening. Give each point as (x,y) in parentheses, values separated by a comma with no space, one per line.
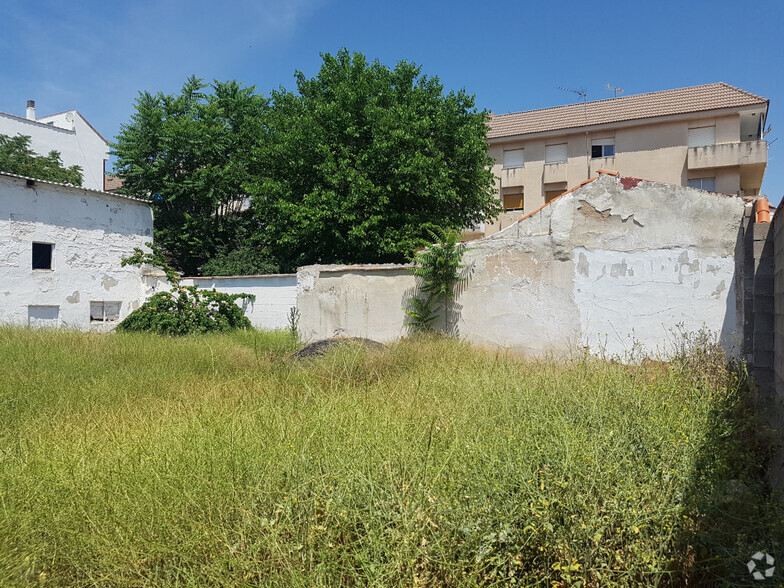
(42,256)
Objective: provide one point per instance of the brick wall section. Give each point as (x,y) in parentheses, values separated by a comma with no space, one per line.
(778,362)
(762,251)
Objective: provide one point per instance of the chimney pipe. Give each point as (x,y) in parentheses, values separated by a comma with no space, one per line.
(31,110)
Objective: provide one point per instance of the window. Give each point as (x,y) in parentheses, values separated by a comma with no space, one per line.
(702,136)
(513,158)
(708,184)
(513,199)
(104,312)
(42,256)
(43,316)
(555,153)
(602,148)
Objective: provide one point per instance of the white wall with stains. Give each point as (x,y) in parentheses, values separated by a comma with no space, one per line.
(615,265)
(89,233)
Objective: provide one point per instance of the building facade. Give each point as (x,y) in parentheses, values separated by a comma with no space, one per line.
(67,132)
(61,252)
(709,137)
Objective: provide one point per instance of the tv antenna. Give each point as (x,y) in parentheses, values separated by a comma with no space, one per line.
(584,95)
(615,89)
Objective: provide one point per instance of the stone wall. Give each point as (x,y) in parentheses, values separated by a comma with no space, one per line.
(615,265)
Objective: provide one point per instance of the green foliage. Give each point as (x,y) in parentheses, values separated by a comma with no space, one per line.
(188,310)
(183,310)
(155,258)
(438,272)
(191,155)
(293,322)
(244,261)
(363,158)
(16,157)
(352,167)
(132,460)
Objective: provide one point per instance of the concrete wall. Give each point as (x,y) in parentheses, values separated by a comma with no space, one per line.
(613,263)
(655,150)
(275,295)
(78,143)
(90,232)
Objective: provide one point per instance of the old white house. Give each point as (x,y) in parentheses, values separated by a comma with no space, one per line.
(61,248)
(67,132)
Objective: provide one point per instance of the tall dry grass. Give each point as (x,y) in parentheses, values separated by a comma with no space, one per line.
(130,460)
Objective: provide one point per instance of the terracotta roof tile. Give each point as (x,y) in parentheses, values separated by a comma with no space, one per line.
(668,102)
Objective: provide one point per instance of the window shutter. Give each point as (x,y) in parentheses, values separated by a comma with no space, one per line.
(514,158)
(555,153)
(702,136)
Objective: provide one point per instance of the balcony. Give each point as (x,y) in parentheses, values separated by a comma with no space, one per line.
(728,154)
(513,176)
(554,172)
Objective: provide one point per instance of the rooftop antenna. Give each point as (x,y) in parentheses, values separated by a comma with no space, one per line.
(584,95)
(615,89)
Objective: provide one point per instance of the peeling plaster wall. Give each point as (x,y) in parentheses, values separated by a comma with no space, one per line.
(616,263)
(275,295)
(91,232)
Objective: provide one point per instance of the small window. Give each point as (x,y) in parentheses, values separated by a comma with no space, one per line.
(513,199)
(602,148)
(514,158)
(104,312)
(43,316)
(555,153)
(702,136)
(42,256)
(708,184)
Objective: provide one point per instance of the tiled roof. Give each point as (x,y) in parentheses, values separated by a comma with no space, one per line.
(72,188)
(112,183)
(669,102)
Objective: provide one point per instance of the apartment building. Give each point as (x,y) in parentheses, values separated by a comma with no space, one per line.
(709,137)
(67,132)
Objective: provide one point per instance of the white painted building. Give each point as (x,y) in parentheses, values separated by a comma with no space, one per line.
(67,132)
(61,248)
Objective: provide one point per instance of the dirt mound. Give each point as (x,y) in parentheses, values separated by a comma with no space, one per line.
(321,347)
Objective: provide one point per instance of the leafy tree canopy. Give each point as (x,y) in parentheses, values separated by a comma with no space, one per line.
(16,157)
(191,156)
(354,166)
(364,159)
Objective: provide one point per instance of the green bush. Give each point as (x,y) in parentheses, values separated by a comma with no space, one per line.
(188,310)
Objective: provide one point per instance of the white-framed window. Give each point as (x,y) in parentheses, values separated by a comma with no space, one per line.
(42,256)
(602,148)
(514,158)
(102,311)
(708,184)
(555,153)
(702,136)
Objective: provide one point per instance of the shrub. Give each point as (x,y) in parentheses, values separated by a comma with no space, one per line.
(187,310)
(184,310)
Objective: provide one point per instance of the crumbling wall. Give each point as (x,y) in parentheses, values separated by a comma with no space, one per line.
(614,264)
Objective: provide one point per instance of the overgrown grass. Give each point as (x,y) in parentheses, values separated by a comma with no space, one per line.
(136,460)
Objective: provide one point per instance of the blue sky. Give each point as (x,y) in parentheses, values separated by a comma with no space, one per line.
(96,56)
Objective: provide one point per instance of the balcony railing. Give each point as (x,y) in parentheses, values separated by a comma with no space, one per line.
(728,154)
(512,177)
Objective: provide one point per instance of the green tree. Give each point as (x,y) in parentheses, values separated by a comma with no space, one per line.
(16,157)
(363,158)
(191,155)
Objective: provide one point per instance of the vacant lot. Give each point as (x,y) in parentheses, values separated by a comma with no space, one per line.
(147,461)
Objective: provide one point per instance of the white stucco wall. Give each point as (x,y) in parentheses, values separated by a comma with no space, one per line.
(613,264)
(78,143)
(275,295)
(90,231)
